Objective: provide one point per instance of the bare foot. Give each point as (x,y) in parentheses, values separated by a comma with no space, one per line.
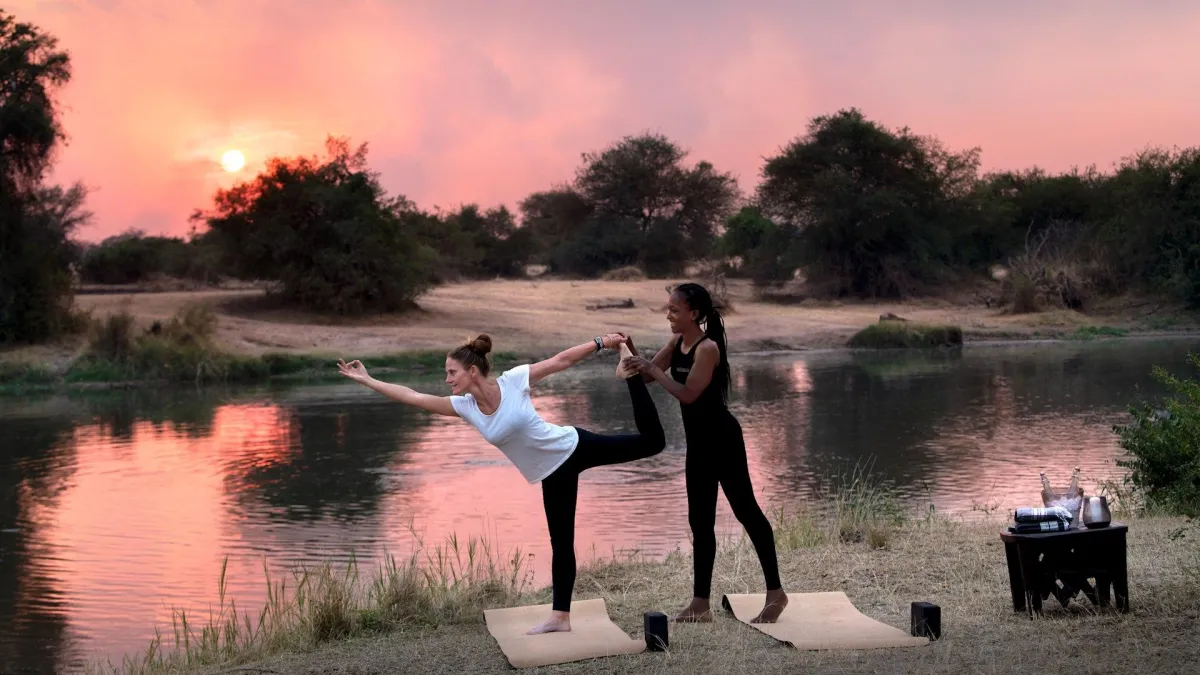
(559,622)
(773,607)
(697,612)
(625,372)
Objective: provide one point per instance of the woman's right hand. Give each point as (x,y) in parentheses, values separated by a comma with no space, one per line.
(613,340)
(355,370)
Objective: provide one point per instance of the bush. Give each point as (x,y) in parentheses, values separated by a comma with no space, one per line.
(1162,447)
(596,248)
(906,335)
(179,351)
(769,252)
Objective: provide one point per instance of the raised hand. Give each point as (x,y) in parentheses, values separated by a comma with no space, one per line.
(355,370)
(613,340)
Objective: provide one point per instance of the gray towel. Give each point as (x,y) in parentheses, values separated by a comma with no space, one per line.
(1038,528)
(1042,515)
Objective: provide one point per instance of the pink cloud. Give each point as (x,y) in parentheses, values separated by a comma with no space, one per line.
(474,101)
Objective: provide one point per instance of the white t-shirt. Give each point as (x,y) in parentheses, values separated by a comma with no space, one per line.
(535,446)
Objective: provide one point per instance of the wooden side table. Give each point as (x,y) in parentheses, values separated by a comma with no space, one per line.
(1037,561)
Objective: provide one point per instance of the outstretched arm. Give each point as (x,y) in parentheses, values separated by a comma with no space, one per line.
(707,357)
(356,371)
(569,357)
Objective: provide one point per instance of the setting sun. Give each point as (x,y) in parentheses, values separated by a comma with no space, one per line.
(233,160)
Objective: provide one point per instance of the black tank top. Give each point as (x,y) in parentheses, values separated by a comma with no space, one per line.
(708,410)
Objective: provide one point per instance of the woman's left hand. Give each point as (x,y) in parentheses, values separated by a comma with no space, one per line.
(639,363)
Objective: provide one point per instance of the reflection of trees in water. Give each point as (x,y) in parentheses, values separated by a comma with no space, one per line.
(36,461)
(337,455)
(925,415)
(772,402)
(877,408)
(189,411)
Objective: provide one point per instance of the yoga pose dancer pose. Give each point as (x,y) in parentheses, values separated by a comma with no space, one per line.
(501,410)
(716,451)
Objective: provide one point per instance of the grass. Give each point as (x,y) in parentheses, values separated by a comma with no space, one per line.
(448,584)
(451,584)
(1093,332)
(20,378)
(423,617)
(906,335)
(183,350)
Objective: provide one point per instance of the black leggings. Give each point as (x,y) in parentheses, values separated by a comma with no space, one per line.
(718,456)
(561,488)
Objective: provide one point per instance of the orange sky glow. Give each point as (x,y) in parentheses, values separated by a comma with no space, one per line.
(476,101)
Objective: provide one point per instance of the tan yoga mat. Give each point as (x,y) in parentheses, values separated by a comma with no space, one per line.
(821,621)
(592,635)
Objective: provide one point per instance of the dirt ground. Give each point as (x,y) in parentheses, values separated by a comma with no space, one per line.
(539,316)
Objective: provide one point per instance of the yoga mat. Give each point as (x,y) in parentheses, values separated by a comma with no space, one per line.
(820,621)
(592,635)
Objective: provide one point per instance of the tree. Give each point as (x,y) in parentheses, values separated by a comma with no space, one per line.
(552,217)
(641,182)
(1151,224)
(326,232)
(35,220)
(769,251)
(878,211)
(480,244)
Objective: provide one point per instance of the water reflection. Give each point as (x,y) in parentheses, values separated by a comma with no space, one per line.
(115,507)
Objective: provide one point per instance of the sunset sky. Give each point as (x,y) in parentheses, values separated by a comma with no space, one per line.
(486,101)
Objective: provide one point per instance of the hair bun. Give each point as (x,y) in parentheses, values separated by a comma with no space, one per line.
(482,345)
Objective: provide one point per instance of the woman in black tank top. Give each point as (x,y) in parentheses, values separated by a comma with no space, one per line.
(716,451)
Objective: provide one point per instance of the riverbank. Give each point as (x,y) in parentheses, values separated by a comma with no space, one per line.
(533,318)
(957,564)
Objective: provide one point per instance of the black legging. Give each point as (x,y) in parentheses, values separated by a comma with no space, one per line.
(561,488)
(718,455)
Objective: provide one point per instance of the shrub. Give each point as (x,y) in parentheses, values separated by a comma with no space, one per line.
(1162,446)
(906,335)
(180,350)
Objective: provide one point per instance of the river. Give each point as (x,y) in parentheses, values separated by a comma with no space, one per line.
(117,506)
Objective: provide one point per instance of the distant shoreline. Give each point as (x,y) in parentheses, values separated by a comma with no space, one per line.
(535,318)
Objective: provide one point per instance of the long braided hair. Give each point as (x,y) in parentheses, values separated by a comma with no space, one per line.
(698,299)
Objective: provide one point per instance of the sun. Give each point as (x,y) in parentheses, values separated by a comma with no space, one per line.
(233,161)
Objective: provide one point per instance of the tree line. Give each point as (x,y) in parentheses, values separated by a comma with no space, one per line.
(852,207)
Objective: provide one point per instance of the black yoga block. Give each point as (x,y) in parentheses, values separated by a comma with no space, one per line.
(655,626)
(926,620)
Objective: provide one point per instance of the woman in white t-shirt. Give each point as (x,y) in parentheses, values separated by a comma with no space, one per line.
(501,410)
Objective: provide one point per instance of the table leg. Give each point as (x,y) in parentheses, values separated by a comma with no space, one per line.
(1014,576)
(1031,577)
(1103,583)
(1120,574)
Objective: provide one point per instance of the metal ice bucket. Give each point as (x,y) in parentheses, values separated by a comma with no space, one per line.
(1095,512)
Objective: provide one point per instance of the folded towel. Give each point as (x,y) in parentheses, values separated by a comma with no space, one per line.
(1044,526)
(1042,515)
